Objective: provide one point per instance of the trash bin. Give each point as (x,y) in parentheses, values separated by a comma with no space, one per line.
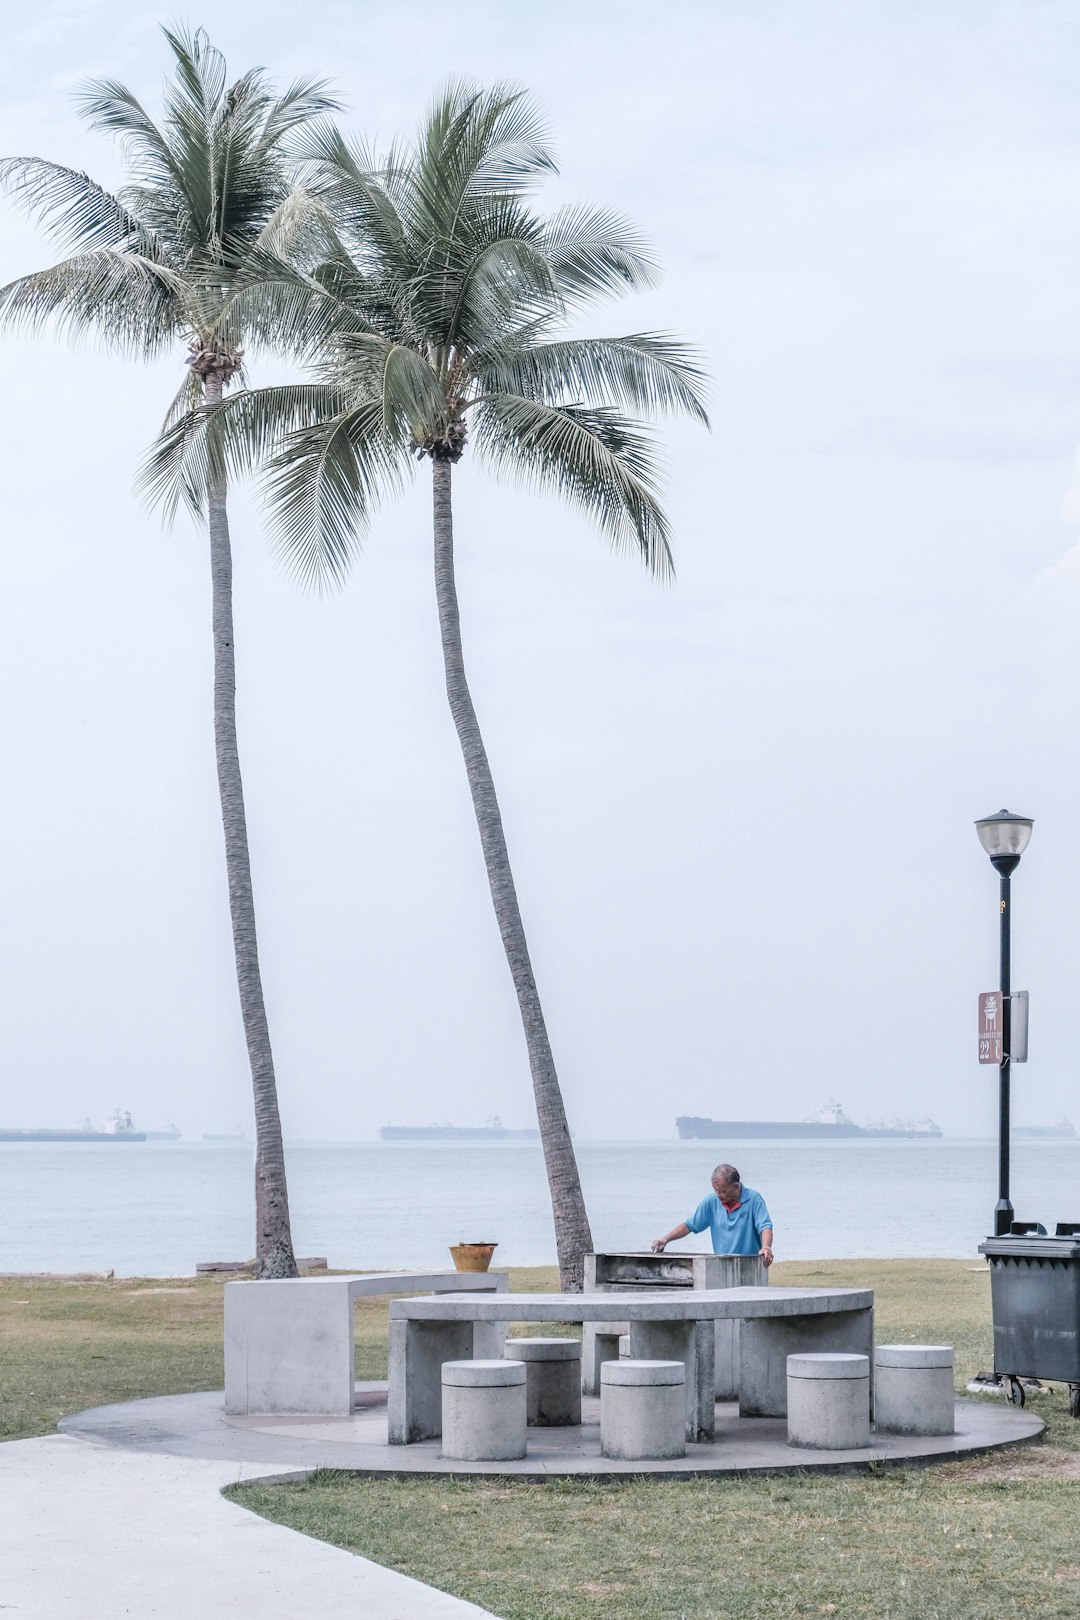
(1035,1294)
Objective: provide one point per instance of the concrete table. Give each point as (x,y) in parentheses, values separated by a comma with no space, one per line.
(290,1344)
(780,1322)
(676,1325)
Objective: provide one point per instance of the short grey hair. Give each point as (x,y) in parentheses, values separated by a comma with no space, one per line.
(727,1176)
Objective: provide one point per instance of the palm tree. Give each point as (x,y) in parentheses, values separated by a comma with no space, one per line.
(435,319)
(157,263)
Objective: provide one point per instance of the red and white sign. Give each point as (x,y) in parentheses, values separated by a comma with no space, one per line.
(991,1038)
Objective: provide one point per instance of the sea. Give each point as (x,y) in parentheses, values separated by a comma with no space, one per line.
(157,1208)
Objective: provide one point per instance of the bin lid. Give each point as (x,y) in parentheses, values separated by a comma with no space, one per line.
(1030,1247)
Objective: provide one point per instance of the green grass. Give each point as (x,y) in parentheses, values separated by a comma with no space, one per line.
(986,1540)
(900,1546)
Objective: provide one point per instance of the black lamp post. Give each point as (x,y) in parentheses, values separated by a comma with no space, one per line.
(1004,838)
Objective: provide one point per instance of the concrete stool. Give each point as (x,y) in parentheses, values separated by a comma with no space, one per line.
(624,1346)
(642,1409)
(552,1380)
(828,1401)
(913,1389)
(483,1410)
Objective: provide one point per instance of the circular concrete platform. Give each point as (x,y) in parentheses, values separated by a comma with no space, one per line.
(196,1426)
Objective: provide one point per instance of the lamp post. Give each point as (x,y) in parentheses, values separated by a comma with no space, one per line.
(1004,838)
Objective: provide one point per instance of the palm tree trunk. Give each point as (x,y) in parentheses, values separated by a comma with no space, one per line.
(273,1233)
(573,1239)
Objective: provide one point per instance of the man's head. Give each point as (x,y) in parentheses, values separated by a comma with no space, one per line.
(726,1183)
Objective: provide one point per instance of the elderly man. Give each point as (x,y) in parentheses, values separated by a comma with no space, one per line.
(735,1215)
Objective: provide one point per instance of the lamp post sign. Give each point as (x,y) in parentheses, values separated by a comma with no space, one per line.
(1004,837)
(991,1034)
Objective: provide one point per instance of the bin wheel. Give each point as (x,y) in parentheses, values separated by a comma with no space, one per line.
(1074,1400)
(1014,1389)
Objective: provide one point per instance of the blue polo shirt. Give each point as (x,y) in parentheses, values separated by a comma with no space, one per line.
(738,1232)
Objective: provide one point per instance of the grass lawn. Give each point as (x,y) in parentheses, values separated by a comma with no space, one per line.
(986,1540)
(68,1344)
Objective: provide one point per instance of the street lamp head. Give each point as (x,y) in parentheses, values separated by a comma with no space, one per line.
(1004,838)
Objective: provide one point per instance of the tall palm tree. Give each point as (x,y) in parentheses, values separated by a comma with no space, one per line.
(435,317)
(157,264)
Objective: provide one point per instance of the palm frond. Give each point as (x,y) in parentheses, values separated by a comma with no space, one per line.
(201,76)
(72,208)
(413,400)
(496,279)
(108,105)
(597,254)
(357,189)
(183,472)
(199,444)
(647,371)
(476,142)
(130,302)
(596,459)
(304,101)
(323,486)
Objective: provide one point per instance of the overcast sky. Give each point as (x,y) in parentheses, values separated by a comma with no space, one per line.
(740,809)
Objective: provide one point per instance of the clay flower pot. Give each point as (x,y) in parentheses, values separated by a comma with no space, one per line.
(472,1256)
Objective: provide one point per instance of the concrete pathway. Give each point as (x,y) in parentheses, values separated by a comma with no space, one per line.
(92,1532)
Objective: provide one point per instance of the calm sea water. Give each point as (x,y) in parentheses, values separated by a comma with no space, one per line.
(157,1208)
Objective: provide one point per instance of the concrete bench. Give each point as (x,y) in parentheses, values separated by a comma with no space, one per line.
(913,1389)
(642,1409)
(829,1402)
(552,1380)
(290,1345)
(483,1410)
(669,1324)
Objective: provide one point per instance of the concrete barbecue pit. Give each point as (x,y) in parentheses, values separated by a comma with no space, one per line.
(634,1271)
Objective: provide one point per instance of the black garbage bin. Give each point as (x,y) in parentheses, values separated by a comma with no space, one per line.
(1035,1293)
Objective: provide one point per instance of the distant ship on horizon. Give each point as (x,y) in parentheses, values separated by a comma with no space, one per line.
(117,1128)
(1064,1127)
(826,1125)
(493,1130)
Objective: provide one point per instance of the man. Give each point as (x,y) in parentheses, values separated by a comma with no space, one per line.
(735,1215)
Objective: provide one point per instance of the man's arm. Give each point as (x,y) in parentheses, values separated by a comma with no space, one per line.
(766,1245)
(680,1231)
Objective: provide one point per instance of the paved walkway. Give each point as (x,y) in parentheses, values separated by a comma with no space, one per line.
(92,1532)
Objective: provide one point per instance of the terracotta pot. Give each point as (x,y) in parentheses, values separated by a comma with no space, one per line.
(472,1256)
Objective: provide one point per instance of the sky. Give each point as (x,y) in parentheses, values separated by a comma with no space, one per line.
(739,808)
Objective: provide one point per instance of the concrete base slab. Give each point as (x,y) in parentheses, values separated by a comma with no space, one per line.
(196,1426)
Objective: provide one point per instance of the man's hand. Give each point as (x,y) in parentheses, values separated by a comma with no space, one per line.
(767,1256)
(659,1246)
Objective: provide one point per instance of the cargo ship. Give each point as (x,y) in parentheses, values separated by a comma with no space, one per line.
(493,1130)
(829,1124)
(1064,1127)
(117,1129)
